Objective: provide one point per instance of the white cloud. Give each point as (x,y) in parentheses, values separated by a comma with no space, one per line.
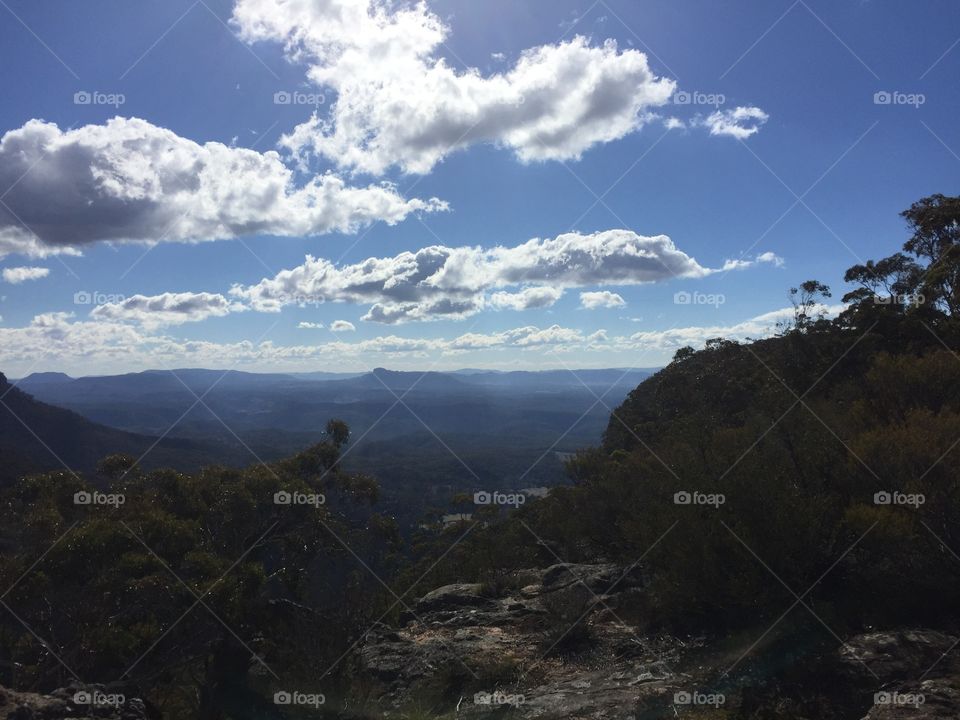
(674,123)
(767,258)
(56,341)
(770,257)
(342,326)
(740,122)
(442,282)
(526,299)
(603,299)
(129,180)
(311,326)
(167,309)
(757,327)
(17,275)
(398,102)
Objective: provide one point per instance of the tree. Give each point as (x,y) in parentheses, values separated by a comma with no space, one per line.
(935,222)
(807,301)
(242,550)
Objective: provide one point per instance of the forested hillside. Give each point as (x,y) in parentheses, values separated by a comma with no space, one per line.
(824,458)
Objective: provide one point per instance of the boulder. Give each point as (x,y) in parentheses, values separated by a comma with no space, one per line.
(452,597)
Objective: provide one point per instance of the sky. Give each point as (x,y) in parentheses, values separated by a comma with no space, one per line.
(294,185)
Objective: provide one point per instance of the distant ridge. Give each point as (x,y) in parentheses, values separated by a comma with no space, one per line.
(36,437)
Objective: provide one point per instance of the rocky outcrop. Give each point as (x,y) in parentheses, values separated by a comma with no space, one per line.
(550,644)
(898,655)
(563,642)
(915,673)
(73,703)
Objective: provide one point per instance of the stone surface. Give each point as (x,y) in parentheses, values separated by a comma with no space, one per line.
(72,703)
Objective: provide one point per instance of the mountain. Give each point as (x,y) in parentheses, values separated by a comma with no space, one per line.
(44,378)
(512,406)
(37,437)
(424,435)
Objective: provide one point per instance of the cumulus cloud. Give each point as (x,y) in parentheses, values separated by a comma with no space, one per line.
(398,102)
(17,275)
(740,122)
(129,180)
(167,309)
(342,326)
(57,341)
(311,326)
(757,327)
(527,299)
(602,299)
(452,283)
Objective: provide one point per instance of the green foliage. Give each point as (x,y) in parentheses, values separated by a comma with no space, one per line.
(167,578)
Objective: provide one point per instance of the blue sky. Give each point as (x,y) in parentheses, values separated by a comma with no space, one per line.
(601,160)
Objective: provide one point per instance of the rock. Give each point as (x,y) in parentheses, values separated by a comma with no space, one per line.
(601,579)
(915,674)
(450,597)
(503,640)
(899,655)
(73,703)
(931,699)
